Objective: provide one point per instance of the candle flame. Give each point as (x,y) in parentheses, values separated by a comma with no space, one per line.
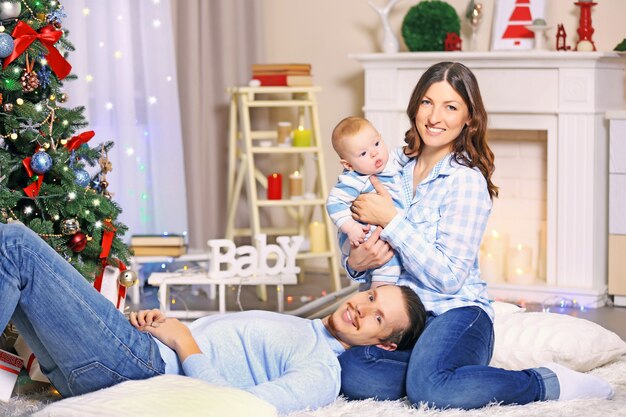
(296,173)
(495,234)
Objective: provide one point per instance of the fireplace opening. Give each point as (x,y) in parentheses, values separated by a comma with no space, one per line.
(513,249)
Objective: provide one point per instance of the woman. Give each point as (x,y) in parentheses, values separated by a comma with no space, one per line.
(448,194)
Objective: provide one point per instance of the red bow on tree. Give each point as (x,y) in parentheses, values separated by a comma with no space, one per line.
(24,35)
(75,142)
(32,190)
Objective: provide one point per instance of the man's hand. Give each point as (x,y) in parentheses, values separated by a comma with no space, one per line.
(373,208)
(176,336)
(371,254)
(146,318)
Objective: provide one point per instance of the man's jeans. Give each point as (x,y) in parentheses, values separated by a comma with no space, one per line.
(83,343)
(446,368)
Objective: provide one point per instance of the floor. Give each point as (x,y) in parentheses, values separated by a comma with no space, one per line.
(316,285)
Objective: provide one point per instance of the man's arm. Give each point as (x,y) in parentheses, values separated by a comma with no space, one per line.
(308,384)
(175,335)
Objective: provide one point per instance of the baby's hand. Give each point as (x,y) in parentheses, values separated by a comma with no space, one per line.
(355,231)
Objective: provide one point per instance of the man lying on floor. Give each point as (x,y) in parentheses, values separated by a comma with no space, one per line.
(84,343)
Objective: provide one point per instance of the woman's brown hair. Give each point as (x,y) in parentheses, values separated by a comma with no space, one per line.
(470,148)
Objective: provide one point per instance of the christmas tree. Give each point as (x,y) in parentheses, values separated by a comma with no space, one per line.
(44,148)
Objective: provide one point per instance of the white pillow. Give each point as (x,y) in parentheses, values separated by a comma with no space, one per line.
(526,340)
(501,308)
(162,396)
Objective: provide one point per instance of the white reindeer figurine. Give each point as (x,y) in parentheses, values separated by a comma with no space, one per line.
(390,42)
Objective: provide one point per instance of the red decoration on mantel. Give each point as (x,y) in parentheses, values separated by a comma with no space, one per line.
(453,42)
(585,30)
(561,39)
(520,18)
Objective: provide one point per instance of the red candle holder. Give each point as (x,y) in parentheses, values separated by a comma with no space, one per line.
(274,186)
(585,29)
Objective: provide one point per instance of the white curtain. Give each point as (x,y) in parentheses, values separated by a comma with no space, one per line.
(126,66)
(217,41)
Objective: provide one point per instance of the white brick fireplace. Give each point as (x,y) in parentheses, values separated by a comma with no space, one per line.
(547,129)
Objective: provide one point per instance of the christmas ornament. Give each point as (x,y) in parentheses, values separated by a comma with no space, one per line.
(41,162)
(82,177)
(30,79)
(95,185)
(561,39)
(106,167)
(25,35)
(44,78)
(6,45)
(8,107)
(63,97)
(128,278)
(78,242)
(70,227)
(10,9)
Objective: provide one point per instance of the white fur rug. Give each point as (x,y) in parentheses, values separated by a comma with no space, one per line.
(615,373)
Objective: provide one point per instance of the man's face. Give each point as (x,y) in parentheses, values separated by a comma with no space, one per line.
(369,316)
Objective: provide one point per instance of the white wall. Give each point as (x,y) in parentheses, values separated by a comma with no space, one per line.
(324,32)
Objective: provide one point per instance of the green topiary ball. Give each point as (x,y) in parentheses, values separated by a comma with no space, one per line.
(426,25)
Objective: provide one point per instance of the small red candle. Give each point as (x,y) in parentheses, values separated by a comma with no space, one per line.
(274,187)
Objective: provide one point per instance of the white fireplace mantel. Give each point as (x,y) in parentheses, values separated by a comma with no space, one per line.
(565,94)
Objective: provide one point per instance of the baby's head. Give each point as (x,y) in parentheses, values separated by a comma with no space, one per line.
(359,146)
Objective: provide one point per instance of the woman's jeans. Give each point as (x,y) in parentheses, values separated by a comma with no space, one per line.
(446,368)
(83,343)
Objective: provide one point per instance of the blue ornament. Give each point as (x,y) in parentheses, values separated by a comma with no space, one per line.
(6,45)
(95,184)
(41,162)
(82,177)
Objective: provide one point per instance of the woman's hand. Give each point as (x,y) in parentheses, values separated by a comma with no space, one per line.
(146,318)
(373,208)
(371,254)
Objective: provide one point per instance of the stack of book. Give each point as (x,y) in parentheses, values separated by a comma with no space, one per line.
(158,245)
(292,75)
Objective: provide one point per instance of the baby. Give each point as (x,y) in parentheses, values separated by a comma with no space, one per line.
(363,153)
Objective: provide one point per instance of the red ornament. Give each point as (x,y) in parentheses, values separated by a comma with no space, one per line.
(78,242)
(453,42)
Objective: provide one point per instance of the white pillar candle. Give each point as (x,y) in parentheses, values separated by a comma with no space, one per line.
(317,236)
(489,268)
(543,248)
(496,244)
(296,185)
(520,265)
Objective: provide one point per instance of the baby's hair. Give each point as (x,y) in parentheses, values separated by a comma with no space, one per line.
(347,128)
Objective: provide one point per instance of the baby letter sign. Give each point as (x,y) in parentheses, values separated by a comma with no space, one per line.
(245,261)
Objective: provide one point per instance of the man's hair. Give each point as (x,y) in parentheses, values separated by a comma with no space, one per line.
(346,128)
(406,338)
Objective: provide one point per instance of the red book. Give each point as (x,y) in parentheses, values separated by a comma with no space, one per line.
(284,80)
